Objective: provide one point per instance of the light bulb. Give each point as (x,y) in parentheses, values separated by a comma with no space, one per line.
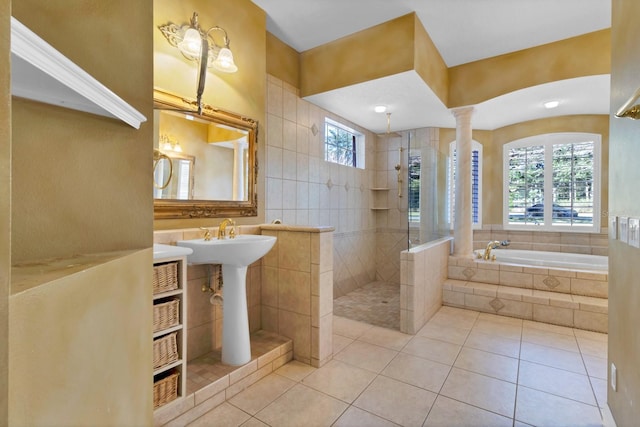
(380,109)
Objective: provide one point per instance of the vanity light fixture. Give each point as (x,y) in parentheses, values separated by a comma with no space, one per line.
(168,143)
(631,108)
(551,104)
(198,45)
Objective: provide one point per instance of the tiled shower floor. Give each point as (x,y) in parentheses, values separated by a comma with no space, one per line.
(377,303)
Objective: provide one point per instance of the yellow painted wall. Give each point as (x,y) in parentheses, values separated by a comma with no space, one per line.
(5,204)
(429,64)
(493,141)
(78,178)
(379,51)
(624,268)
(478,81)
(283,61)
(80,348)
(243,92)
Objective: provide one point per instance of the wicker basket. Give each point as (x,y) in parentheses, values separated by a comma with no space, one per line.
(166,315)
(165,277)
(165,390)
(165,350)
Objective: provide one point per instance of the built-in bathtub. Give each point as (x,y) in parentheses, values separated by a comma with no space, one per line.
(561,288)
(559,260)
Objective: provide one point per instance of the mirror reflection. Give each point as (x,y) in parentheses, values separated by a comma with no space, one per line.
(222,148)
(204,165)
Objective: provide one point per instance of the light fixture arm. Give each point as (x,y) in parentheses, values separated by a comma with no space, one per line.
(202,75)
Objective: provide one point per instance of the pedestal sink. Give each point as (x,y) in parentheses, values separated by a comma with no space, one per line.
(235,255)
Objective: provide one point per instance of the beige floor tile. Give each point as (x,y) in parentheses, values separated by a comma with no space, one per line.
(342,381)
(556,381)
(295,370)
(340,342)
(366,356)
(590,335)
(553,357)
(417,371)
(396,401)
(448,412)
(504,330)
(558,411)
(444,333)
(596,367)
(254,422)
(383,337)
(455,317)
(550,339)
(225,415)
(493,344)
(593,347)
(438,351)
(262,393)
(302,406)
(489,364)
(564,330)
(481,391)
(349,328)
(356,417)
(600,390)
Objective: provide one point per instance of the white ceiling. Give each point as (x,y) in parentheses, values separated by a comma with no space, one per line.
(463,31)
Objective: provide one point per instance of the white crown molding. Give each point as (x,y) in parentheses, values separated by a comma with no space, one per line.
(40,73)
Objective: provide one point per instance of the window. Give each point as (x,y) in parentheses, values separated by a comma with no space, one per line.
(553,182)
(343,145)
(476,183)
(415,162)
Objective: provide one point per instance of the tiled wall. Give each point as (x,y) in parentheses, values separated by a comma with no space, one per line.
(297,291)
(580,243)
(424,271)
(303,189)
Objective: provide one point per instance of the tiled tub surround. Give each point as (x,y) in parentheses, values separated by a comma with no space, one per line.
(559,296)
(423,273)
(578,243)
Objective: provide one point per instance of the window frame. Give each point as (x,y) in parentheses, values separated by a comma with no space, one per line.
(358,141)
(475,146)
(548,140)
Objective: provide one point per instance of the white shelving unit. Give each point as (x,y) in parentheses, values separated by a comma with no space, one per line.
(164,256)
(379,199)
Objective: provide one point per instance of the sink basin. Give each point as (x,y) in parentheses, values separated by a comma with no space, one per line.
(235,255)
(244,250)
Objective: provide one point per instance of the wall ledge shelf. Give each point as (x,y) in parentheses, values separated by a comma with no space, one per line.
(379,189)
(41,73)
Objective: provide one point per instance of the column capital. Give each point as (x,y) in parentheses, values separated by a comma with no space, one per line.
(462,112)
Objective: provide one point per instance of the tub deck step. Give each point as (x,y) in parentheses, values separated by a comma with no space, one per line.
(576,311)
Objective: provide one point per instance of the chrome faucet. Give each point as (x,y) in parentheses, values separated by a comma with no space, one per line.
(487,252)
(222,229)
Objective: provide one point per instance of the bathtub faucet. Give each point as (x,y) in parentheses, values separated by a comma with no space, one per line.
(491,245)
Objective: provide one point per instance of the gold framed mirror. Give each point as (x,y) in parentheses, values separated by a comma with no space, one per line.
(222,144)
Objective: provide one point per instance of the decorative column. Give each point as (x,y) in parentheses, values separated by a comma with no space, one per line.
(463,231)
(239,150)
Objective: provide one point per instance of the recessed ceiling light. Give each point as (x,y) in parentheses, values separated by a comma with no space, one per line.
(380,109)
(551,104)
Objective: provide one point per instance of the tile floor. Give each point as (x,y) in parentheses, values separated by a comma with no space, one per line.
(463,368)
(376,303)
